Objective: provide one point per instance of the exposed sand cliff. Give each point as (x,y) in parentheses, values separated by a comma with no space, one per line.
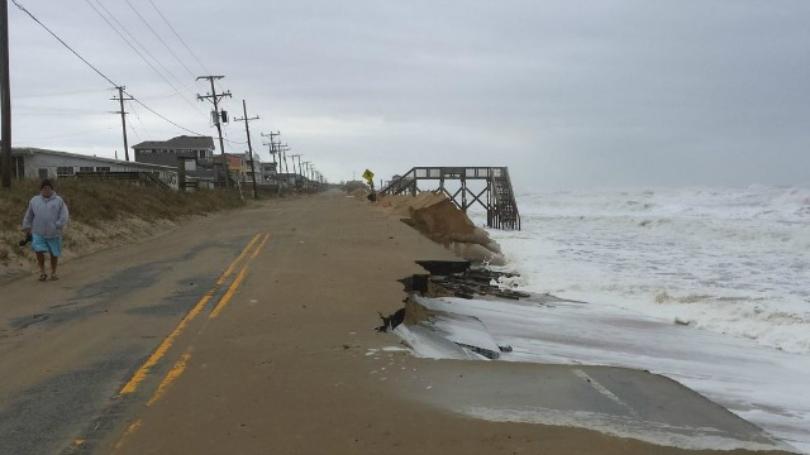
(435,216)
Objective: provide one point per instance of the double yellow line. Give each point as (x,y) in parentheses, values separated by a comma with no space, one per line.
(140,375)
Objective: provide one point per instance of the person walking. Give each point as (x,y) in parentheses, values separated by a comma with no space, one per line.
(44,221)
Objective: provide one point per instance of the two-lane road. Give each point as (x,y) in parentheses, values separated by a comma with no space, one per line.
(66,346)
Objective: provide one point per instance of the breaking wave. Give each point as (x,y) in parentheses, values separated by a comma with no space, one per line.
(734,261)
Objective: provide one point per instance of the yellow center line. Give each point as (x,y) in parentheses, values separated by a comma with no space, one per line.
(229,293)
(261,245)
(170,377)
(132,428)
(139,375)
(226,298)
(180,366)
(232,266)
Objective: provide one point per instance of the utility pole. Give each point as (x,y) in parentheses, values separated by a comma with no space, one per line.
(247,120)
(271,150)
(272,145)
(293,157)
(123,113)
(283,149)
(5,97)
(217,116)
(274,148)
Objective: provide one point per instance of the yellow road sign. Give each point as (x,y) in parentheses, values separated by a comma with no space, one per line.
(368,175)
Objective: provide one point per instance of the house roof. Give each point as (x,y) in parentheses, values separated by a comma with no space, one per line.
(180,142)
(17,151)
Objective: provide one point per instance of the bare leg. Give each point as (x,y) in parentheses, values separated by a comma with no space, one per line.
(54,263)
(41,262)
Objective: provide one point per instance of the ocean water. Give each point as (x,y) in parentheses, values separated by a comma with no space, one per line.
(760,384)
(732,261)
(708,286)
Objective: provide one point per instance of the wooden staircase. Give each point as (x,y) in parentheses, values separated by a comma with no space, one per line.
(498,197)
(505,214)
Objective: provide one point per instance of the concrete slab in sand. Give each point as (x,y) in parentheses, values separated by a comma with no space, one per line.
(617,401)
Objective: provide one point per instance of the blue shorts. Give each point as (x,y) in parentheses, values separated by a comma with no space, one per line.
(42,245)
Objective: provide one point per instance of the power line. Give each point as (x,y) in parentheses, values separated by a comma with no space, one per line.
(166,119)
(22,8)
(97,71)
(140,121)
(118,30)
(126,41)
(135,132)
(149,26)
(141,45)
(179,38)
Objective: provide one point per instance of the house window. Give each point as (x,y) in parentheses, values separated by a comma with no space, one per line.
(43,173)
(202,154)
(86,169)
(102,169)
(64,171)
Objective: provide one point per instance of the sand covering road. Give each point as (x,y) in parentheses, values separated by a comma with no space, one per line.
(103,214)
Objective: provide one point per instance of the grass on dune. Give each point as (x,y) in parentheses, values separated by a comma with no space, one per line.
(94,202)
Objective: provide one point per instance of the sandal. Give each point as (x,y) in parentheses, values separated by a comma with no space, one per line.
(54,277)
(43,277)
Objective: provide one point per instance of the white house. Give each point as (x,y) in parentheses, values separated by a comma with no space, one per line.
(41,164)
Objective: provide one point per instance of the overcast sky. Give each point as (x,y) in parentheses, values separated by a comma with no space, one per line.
(567,94)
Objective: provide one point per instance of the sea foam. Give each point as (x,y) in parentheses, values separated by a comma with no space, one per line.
(733,261)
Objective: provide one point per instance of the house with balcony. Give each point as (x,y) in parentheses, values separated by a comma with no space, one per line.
(196,153)
(166,153)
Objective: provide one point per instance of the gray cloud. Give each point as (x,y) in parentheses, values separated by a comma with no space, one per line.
(568,94)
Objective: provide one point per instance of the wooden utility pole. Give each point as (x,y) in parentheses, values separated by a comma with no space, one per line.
(270,150)
(123,113)
(5,97)
(292,158)
(272,145)
(218,117)
(300,169)
(247,120)
(284,160)
(283,149)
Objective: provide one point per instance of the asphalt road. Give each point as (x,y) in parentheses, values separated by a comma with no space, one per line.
(66,346)
(248,332)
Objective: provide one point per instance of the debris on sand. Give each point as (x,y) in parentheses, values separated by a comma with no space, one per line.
(448,335)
